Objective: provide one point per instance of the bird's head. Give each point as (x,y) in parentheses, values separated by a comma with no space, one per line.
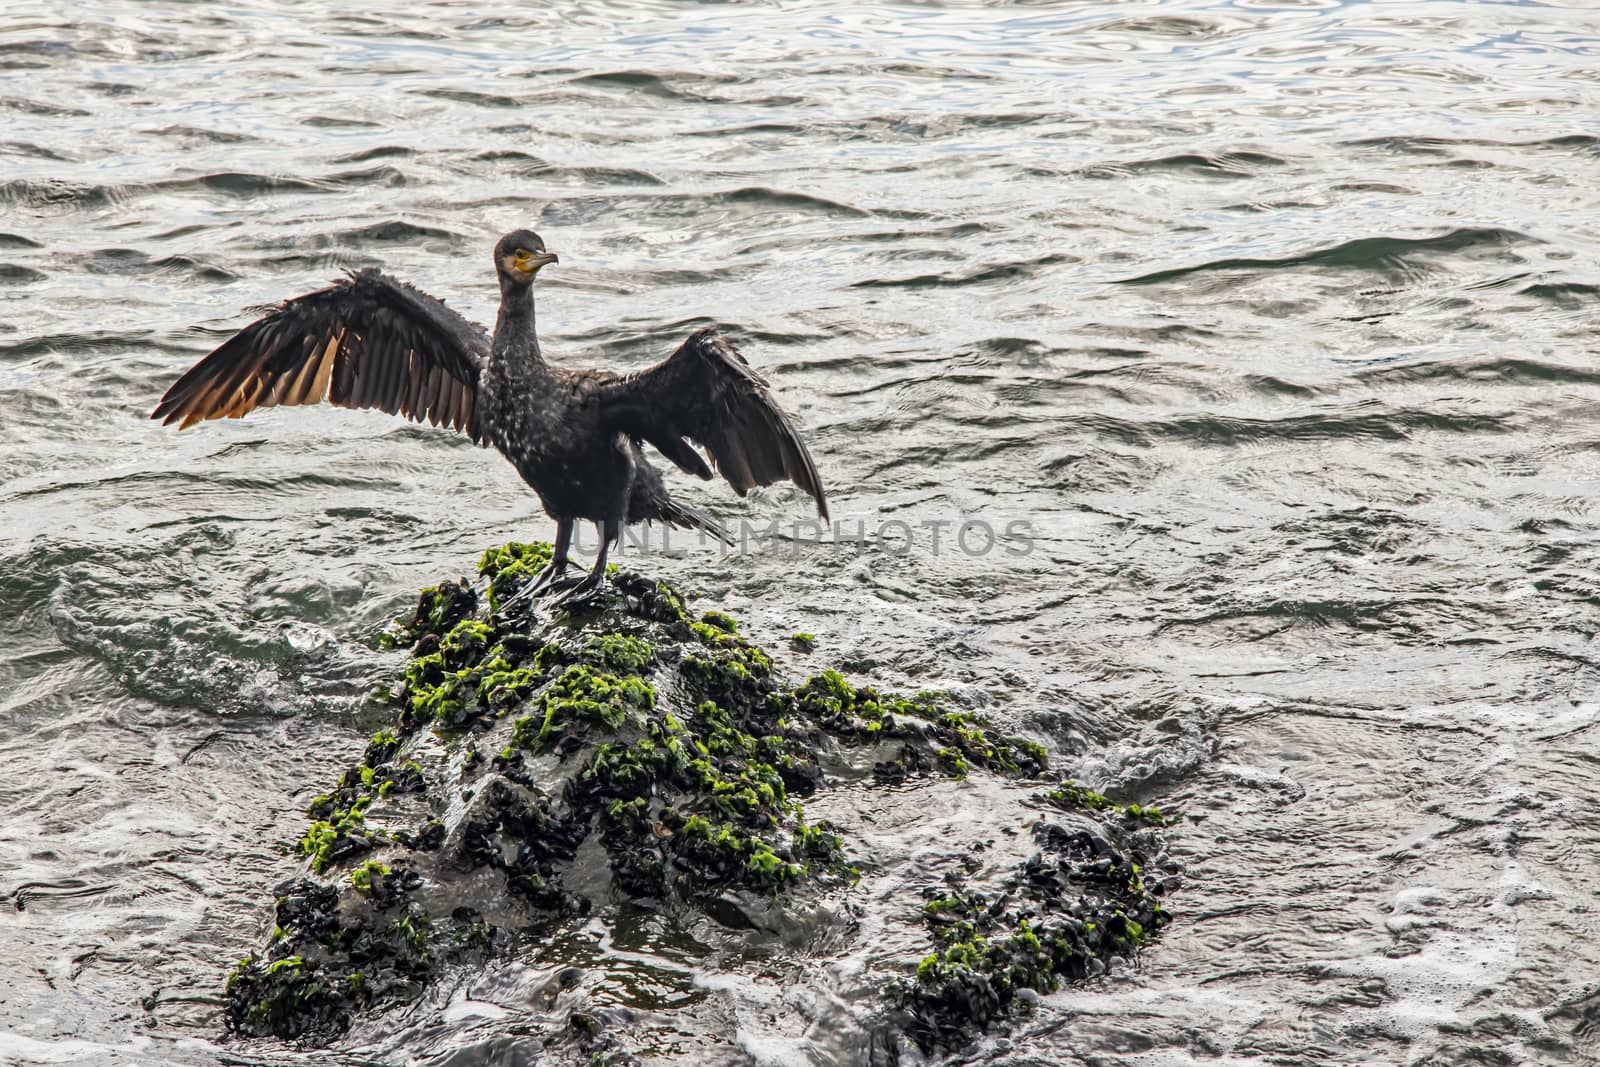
(520,254)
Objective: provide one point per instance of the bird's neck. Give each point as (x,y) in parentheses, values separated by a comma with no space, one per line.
(514,331)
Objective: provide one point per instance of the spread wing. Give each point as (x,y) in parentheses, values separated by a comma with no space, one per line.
(706,393)
(367,341)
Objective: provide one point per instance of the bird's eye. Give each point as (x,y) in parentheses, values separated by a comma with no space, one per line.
(523,253)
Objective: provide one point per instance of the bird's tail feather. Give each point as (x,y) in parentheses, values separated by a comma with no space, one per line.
(685,518)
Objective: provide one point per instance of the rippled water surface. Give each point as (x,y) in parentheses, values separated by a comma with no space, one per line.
(1275,321)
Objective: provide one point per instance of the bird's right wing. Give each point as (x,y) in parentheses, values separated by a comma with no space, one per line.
(367,341)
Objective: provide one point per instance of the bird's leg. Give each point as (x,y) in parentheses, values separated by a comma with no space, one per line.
(595,580)
(610,530)
(557,566)
(552,571)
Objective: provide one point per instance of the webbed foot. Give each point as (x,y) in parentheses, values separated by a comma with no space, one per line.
(590,588)
(546,579)
(542,583)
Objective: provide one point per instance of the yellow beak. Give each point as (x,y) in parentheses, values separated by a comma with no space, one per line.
(534,262)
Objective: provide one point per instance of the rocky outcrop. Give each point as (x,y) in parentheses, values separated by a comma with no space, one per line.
(635,753)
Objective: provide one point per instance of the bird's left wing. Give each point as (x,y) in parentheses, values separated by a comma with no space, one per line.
(367,341)
(706,393)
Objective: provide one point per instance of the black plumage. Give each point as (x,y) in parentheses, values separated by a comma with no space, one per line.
(371,341)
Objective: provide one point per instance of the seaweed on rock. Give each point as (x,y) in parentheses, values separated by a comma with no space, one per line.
(1076,905)
(661,750)
(330,956)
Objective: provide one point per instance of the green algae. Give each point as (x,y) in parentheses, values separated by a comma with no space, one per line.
(721,621)
(956,739)
(383,744)
(623,653)
(339,830)
(450,684)
(369,876)
(582,697)
(438,609)
(1070,796)
(722,810)
(283,997)
(668,739)
(1066,913)
(510,566)
(331,961)
(344,833)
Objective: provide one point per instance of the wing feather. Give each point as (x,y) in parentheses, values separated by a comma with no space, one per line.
(447,400)
(319,381)
(374,366)
(410,395)
(392,368)
(706,393)
(462,415)
(367,341)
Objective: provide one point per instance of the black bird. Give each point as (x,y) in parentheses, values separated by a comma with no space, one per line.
(372,341)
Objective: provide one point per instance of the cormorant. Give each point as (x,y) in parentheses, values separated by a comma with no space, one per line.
(372,341)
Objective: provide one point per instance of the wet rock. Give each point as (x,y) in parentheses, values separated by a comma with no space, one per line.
(631,754)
